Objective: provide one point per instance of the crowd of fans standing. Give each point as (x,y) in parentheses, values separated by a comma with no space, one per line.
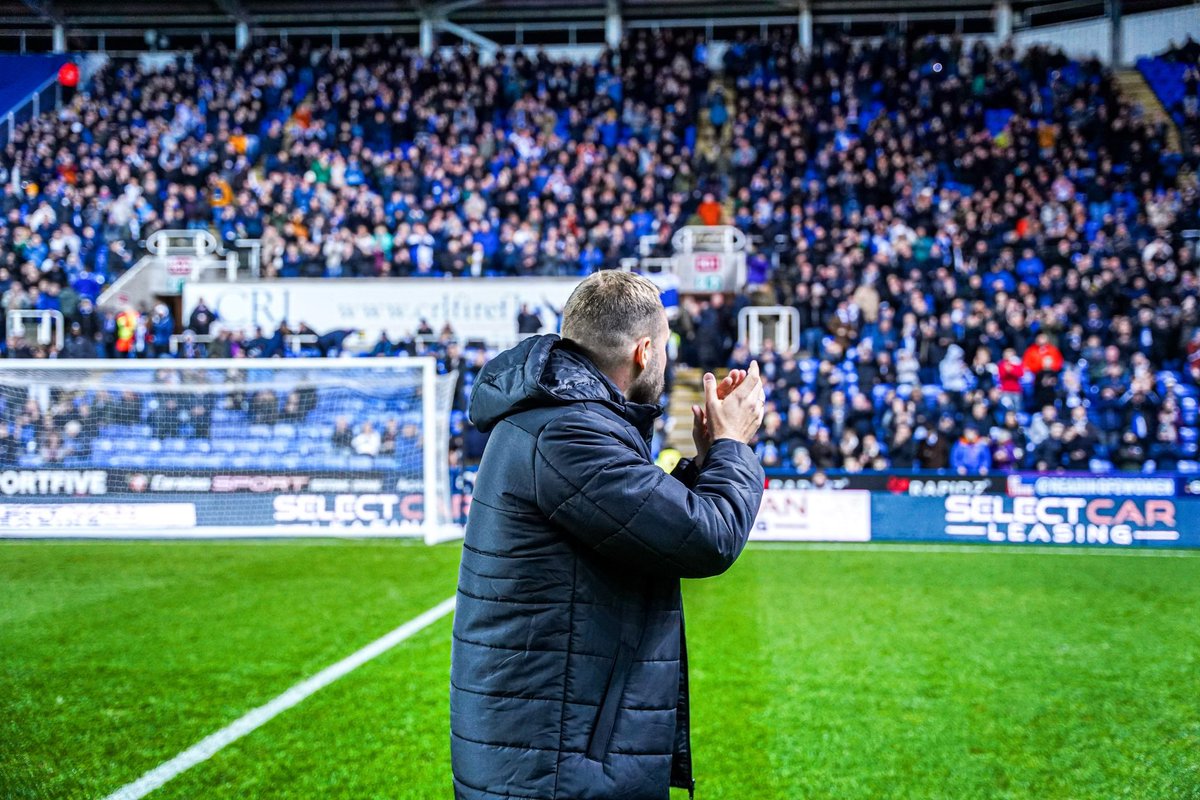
(986,248)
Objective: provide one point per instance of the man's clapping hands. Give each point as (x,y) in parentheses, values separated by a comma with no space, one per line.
(733,409)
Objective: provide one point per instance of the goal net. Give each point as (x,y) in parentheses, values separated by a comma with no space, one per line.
(193,448)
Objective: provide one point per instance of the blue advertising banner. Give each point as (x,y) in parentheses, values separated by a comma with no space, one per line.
(1015,484)
(177,504)
(180,514)
(1067,521)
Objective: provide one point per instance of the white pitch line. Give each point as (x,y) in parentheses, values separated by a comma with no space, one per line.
(976,549)
(210,745)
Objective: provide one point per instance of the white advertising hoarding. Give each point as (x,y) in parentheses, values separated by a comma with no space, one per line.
(477,308)
(799,515)
(107,519)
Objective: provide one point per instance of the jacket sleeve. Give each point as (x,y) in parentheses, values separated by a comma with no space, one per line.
(686,472)
(605,495)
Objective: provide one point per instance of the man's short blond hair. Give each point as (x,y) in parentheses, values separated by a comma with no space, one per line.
(609,311)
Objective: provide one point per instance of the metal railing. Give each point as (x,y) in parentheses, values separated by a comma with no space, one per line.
(31,107)
(783,321)
(49,325)
(295,341)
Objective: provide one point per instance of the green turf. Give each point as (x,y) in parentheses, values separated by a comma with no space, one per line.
(816,674)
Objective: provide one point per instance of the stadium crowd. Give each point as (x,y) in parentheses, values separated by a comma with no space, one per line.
(987,249)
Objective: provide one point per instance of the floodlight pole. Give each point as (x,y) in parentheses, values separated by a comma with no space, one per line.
(426,35)
(613,24)
(1004,20)
(804,23)
(1116,56)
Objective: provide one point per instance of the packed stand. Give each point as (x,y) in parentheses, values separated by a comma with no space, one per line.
(366,162)
(987,254)
(137,152)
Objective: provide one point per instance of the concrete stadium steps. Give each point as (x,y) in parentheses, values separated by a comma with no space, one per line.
(1137,92)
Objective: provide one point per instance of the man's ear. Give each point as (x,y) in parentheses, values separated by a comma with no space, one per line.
(641,354)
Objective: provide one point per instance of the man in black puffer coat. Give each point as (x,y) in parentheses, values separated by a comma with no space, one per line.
(569,666)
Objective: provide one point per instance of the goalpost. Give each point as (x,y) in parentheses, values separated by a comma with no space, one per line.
(226,448)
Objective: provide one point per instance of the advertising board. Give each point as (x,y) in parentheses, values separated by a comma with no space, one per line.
(89,517)
(476,308)
(1055,521)
(1022,484)
(913,484)
(1027,485)
(205,503)
(795,515)
(63,502)
(17,482)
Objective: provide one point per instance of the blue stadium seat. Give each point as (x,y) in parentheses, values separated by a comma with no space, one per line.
(194,460)
(333,461)
(131,460)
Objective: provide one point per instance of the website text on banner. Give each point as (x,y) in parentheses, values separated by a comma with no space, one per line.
(475,309)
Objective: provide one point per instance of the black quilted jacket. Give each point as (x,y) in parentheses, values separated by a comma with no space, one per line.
(569,667)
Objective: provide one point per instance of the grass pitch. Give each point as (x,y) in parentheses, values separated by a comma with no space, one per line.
(894,673)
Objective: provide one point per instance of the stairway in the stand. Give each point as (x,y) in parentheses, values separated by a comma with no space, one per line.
(687,391)
(1137,92)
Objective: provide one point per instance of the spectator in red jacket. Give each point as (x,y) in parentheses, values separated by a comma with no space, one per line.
(1043,356)
(1010,372)
(710,210)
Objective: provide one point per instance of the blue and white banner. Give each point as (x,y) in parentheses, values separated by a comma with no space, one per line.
(1067,521)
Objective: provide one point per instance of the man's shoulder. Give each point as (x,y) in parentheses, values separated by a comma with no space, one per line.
(577,416)
(573,423)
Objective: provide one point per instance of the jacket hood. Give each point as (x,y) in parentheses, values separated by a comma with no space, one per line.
(548,371)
